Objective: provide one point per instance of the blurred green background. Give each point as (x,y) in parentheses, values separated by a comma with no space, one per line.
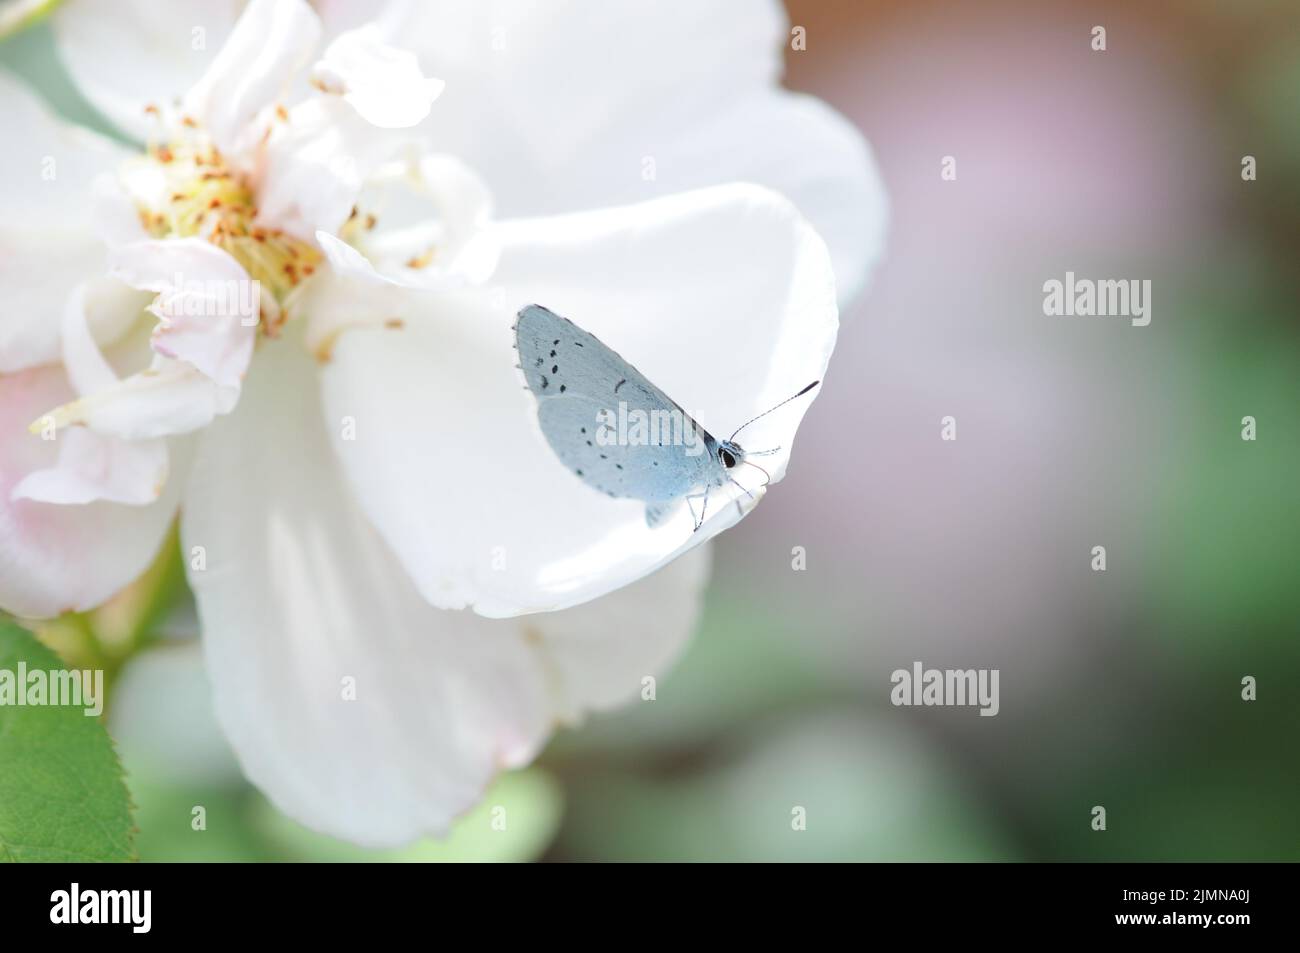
(1120,689)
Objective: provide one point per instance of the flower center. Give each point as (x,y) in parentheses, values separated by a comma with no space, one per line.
(206,198)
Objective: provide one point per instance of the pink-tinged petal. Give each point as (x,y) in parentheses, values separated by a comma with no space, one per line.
(359,709)
(55,558)
(47,242)
(91,467)
(382,83)
(724,298)
(272,41)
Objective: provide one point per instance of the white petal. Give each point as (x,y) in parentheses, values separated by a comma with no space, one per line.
(270,43)
(167,398)
(381,82)
(599,653)
(792,143)
(315,164)
(207,304)
(117,211)
(597,104)
(351,294)
(301,602)
(724,298)
(127,54)
(56,558)
(554,78)
(47,243)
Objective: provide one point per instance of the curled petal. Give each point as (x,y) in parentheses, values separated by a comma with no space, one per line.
(91,466)
(169,397)
(207,304)
(435,224)
(85,364)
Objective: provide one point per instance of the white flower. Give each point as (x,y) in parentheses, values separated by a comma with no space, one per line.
(356,455)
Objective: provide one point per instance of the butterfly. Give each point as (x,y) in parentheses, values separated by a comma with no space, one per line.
(614,429)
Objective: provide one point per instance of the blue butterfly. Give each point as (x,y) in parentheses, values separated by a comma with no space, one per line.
(617,432)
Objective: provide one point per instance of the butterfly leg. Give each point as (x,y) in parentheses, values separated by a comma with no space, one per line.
(699,521)
(742,488)
(740,509)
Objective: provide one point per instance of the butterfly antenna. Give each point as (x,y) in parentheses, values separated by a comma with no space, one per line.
(770,409)
(760,470)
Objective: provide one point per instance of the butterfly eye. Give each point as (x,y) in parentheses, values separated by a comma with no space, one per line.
(727,457)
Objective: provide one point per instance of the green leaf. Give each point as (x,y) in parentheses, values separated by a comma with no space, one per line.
(62,797)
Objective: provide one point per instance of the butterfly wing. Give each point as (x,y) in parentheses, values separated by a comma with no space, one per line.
(580,386)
